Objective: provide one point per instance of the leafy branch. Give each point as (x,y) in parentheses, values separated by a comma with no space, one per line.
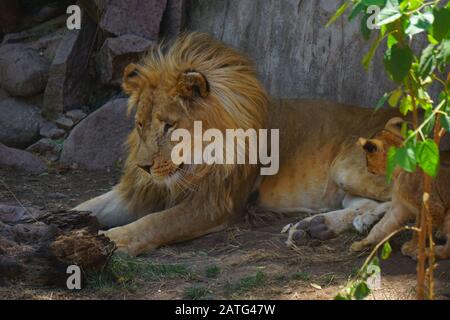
(398,24)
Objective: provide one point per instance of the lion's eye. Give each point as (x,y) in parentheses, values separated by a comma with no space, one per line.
(139,124)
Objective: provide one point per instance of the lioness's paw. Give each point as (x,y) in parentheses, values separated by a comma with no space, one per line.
(409,249)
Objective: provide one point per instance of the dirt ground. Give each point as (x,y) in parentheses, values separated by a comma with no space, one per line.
(247,261)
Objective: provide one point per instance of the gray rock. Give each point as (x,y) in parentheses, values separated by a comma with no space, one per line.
(69,83)
(64,123)
(20,160)
(138,17)
(19,123)
(47,148)
(49,130)
(97,142)
(23,71)
(173,19)
(76,115)
(44,37)
(116,54)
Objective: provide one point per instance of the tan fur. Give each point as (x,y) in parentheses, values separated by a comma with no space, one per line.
(199,78)
(407,195)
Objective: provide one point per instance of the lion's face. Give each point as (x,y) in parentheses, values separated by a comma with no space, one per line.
(161,107)
(196,79)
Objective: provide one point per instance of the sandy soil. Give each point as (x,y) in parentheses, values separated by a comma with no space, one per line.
(247,261)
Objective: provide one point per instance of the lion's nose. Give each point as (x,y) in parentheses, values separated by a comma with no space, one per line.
(146,167)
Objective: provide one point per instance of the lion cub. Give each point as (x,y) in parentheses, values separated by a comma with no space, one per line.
(406,193)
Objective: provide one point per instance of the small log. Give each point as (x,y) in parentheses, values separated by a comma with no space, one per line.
(37,247)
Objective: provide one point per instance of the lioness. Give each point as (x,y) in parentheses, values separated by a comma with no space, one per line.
(199,78)
(407,193)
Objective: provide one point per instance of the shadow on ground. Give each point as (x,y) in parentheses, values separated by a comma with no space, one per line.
(248,260)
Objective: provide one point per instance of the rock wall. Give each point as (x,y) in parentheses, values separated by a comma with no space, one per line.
(296,56)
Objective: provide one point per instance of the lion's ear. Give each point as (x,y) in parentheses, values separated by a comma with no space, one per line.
(130,81)
(191,84)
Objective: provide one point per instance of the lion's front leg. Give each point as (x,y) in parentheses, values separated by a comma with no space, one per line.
(180,223)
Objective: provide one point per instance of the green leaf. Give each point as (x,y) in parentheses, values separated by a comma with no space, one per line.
(427,62)
(386,250)
(373,48)
(391,163)
(391,41)
(441,24)
(406,105)
(338,13)
(379,3)
(406,158)
(444,52)
(398,61)
(340,297)
(414,4)
(365,31)
(389,13)
(428,157)
(357,9)
(429,126)
(382,101)
(419,22)
(375,262)
(395,96)
(445,121)
(361,291)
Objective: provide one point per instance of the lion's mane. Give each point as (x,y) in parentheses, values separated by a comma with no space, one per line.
(236,100)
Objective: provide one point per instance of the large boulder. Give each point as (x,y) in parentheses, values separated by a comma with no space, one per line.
(69,83)
(19,123)
(44,37)
(97,142)
(46,148)
(23,71)
(138,17)
(116,53)
(20,160)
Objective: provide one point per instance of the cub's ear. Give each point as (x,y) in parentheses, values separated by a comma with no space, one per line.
(369,146)
(397,125)
(130,81)
(191,84)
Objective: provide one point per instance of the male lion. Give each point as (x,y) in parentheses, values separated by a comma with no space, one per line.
(407,193)
(199,78)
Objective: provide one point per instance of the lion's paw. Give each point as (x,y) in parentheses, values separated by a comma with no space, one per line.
(308,229)
(360,245)
(121,238)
